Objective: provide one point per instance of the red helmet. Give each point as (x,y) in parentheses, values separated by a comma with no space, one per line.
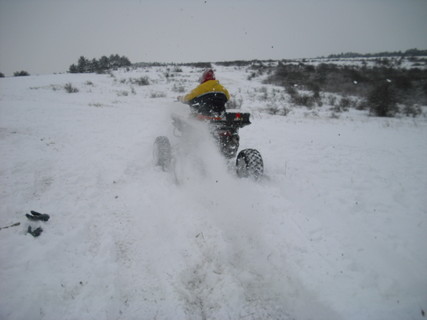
(208,74)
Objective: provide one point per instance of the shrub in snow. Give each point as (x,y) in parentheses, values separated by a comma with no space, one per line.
(345,103)
(382,100)
(291,90)
(123,93)
(332,100)
(20,74)
(334,115)
(95,104)
(272,109)
(143,81)
(70,89)
(158,95)
(264,93)
(412,110)
(178,88)
(361,104)
(1,75)
(251,76)
(303,100)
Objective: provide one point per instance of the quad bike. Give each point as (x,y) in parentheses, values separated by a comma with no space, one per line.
(225,131)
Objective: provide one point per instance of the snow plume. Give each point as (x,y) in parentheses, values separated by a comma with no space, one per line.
(196,157)
(231,263)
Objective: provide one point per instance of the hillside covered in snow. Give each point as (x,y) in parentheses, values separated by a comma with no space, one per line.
(335,229)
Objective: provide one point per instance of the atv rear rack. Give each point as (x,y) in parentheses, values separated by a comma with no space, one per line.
(230,119)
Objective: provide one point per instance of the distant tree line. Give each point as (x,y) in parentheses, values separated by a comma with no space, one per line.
(407,53)
(237,63)
(204,65)
(16,74)
(101,65)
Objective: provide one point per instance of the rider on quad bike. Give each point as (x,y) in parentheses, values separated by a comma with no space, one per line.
(209,97)
(207,102)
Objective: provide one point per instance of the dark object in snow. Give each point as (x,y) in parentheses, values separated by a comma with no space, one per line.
(36,232)
(12,225)
(37,216)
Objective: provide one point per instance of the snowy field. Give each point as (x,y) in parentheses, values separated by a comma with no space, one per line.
(337,228)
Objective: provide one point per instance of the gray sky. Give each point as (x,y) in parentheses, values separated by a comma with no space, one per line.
(45,36)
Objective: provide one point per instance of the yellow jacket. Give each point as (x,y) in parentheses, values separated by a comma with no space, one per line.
(210,86)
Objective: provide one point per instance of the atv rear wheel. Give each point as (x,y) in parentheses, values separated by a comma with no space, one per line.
(249,164)
(162,153)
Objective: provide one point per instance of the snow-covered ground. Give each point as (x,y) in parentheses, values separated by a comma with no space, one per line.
(337,228)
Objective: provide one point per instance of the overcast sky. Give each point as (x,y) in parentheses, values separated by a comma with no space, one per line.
(46,36)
